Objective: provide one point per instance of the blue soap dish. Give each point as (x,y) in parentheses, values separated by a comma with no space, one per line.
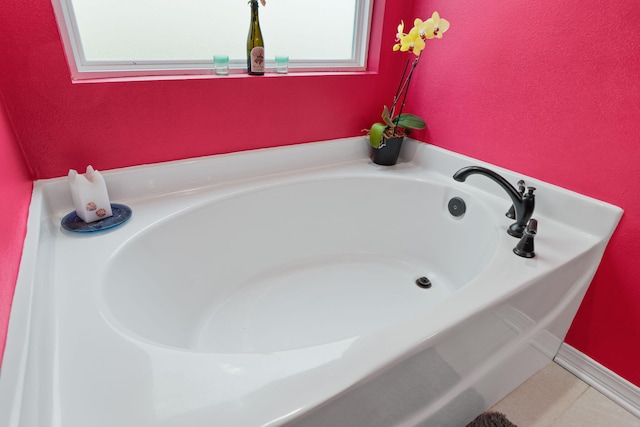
(72,222)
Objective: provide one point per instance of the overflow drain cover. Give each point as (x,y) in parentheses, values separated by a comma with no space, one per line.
(457,207)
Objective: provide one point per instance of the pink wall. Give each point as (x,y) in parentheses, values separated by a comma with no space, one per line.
(15,193)
(551,89)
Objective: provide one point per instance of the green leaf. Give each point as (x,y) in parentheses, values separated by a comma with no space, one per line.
(410,121)
(375,134)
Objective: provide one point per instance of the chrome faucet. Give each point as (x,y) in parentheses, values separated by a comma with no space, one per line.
(523,203)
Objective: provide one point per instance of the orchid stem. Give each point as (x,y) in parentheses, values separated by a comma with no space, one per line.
(405,89)
(400,87)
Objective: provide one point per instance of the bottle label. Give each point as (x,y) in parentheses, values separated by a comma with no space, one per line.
(257,59)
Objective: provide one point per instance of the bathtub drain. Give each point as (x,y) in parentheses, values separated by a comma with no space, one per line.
(423,282)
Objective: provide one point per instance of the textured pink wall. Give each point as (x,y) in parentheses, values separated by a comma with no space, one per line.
(551,89)
(15,193)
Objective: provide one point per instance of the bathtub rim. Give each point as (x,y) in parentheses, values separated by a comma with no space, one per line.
(202,173)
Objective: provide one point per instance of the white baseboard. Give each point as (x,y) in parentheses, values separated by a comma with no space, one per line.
(607,382)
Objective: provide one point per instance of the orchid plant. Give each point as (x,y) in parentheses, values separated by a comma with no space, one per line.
(414,41)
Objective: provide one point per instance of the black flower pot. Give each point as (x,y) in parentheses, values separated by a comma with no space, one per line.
(387,155)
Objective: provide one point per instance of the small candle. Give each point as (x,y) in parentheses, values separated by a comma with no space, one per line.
(282,64)
(89,194)
(221,64)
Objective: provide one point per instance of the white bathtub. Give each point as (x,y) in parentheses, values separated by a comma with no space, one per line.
(278,287)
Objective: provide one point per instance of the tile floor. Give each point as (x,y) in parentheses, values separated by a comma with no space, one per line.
(556,398)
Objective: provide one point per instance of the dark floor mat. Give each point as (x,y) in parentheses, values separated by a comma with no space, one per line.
(491,419)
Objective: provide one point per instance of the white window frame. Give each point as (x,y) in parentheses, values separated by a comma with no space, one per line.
(83,69)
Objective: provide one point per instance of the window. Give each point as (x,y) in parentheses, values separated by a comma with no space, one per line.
(119,38)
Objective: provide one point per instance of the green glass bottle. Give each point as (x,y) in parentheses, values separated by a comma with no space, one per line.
(255,44)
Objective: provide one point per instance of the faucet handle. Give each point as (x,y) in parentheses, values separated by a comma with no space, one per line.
(511,213)
(526,247)
(531,190)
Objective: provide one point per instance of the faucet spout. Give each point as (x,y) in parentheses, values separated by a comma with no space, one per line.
(523,204)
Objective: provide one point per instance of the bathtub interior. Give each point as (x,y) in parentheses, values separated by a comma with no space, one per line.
(295,264)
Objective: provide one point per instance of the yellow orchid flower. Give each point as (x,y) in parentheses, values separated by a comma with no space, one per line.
(422,26)
(435,26)
(400,32)
(412,42)
(399,36)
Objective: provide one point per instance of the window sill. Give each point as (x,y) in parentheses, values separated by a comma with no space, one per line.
(212,76)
